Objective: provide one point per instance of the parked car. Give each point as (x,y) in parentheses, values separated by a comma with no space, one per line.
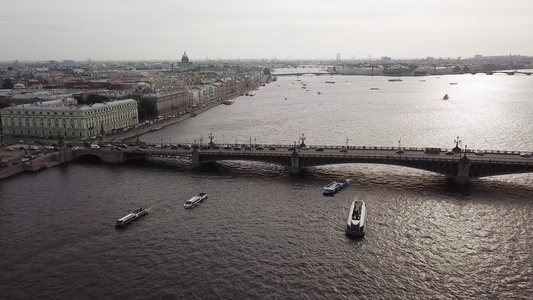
(449,153)
(319,149)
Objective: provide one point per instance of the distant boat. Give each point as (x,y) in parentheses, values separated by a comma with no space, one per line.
(319,92)
(193,114)
(330,81)
(374,89)
(453,83)
(251,94)
(228,102)
(445,97)
(395,79)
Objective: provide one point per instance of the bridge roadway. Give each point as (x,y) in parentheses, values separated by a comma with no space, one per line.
(457,166)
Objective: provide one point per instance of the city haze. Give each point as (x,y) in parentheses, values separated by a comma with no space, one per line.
(238,29)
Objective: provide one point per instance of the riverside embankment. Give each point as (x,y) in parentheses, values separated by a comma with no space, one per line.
(43,162)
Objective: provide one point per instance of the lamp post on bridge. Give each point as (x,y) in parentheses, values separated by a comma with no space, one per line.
(302,138)
(457,149)
(211,137)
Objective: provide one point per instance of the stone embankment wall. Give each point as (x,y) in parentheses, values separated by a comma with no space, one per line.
(38,163)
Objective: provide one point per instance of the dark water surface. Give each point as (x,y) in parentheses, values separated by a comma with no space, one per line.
(266,234)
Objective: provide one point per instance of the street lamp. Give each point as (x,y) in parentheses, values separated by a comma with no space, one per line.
(303,140)
(457,149)
(211,137)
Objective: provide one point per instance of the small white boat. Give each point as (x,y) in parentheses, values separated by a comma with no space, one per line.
(132,216)
(334,187)
(356,219)
(195,201)
(446,97)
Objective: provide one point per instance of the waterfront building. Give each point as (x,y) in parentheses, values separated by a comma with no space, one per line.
(168,103)
(208,92)
(68,119)
(195,96)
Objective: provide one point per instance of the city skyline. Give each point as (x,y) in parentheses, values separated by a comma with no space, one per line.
(237,29)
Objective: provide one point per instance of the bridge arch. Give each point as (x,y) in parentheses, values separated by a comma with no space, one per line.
(88,157)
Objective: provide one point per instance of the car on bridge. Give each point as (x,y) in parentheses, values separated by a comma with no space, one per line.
(400,151)
(449,153)
(525,154)
(259,148)
(480,152)
(319,149)
(272,148)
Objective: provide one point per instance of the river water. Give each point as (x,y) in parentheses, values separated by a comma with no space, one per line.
(266,234)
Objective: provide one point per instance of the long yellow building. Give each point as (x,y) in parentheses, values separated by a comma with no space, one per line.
(66,118)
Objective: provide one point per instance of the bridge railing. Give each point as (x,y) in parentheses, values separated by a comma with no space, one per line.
(354,147)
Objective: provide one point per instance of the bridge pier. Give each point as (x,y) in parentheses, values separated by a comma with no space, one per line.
(295,166)
(463,171)
(195,158)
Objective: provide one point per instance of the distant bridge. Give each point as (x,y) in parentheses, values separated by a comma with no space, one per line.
(502,72)
(301,73)
(460,167)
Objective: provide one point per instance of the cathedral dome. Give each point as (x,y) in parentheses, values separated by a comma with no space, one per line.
(184,58)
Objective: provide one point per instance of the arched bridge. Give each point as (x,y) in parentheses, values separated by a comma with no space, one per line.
(459,166)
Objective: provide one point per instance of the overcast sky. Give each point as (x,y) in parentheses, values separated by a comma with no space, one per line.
(282,29)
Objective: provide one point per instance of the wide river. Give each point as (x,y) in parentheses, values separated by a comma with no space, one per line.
(266,234)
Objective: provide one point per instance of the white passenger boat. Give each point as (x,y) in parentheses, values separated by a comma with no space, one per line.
(132,216)
(334,187)
(356,219)
(195,201)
